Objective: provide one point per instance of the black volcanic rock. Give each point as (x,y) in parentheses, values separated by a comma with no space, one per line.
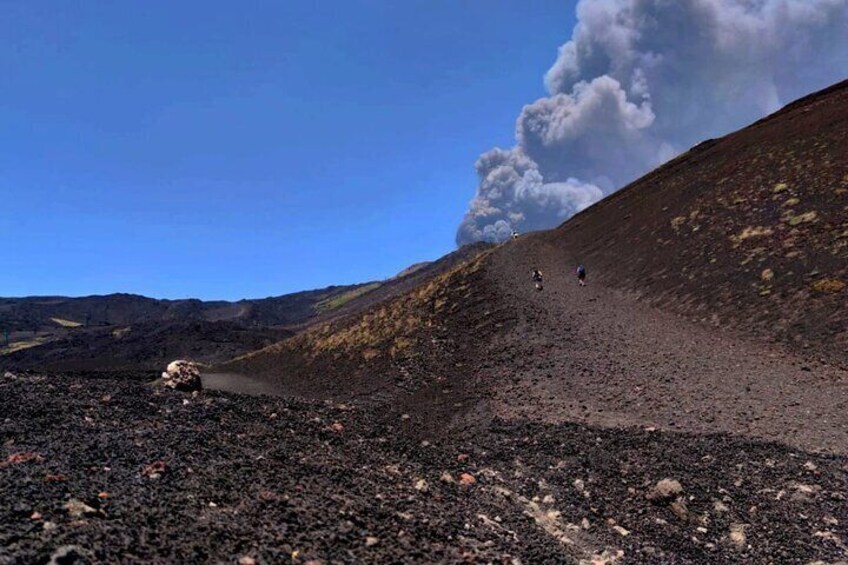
(235,481)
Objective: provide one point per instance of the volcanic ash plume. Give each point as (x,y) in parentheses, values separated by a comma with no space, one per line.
(642,80)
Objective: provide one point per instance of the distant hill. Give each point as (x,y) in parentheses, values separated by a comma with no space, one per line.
(144,346)
(129,332)
(41,312)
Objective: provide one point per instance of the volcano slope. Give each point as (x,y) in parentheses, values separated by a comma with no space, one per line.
(749,231)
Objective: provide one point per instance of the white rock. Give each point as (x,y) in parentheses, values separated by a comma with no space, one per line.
(67,554)
(621,531)
(737,535)
(665,490)
(182,375)
(78,509)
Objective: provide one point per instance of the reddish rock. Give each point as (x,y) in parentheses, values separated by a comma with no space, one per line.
(22,457)
(155,469)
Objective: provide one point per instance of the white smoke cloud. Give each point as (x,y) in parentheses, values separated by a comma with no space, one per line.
(589,133)
(642,80)
(512,192)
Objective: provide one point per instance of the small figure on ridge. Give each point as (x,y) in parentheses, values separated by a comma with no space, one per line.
(581,275)
(537,278)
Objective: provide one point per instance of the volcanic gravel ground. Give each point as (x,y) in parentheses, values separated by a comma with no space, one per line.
(596,355)
(292,481)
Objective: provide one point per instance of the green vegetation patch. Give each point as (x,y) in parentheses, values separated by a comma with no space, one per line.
(749,233)
(20,345)
(803,218)
(677,222)
(66,323)
(829,286)
(340,300)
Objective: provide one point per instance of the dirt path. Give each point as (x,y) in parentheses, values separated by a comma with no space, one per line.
(241,384)
(597,356)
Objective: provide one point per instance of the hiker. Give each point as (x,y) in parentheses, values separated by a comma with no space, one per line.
(537,278)
(581,275)
(514,235)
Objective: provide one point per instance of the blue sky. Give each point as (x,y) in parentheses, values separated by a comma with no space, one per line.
(229,150)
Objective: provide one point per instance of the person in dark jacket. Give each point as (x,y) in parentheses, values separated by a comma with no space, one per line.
(581,275)
(537,278)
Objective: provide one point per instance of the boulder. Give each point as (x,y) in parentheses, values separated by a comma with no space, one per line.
(737,536)
(78,509)
(665,491)
(182,375)
(67,555)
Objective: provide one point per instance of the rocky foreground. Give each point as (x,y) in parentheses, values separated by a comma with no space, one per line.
(115,470)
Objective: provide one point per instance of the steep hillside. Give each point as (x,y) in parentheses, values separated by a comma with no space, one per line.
(408,280)
(749,230)
(401,351)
